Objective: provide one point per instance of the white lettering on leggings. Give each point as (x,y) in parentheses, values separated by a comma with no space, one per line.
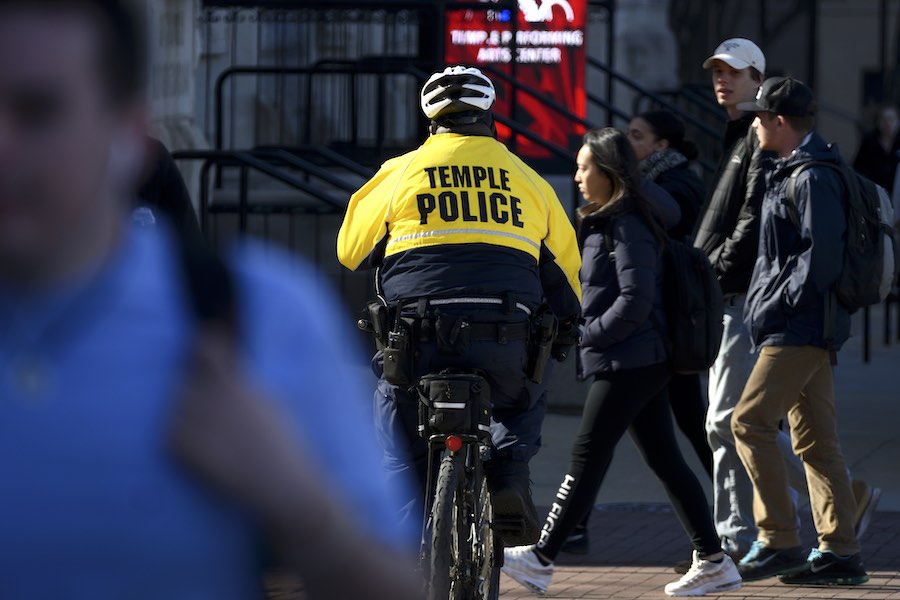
(556,510)
(565,487)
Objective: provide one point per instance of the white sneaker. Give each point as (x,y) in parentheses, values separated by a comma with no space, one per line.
(705,576)
(522,565)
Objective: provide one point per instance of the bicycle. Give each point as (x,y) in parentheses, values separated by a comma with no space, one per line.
(461,551)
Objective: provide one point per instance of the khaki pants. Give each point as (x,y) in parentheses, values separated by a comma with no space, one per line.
(795,381)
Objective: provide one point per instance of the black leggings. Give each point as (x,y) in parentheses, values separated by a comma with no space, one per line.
(634,400)
(689,408)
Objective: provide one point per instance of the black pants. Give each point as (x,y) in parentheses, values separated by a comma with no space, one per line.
(689,408)
(633,400)
(516,418)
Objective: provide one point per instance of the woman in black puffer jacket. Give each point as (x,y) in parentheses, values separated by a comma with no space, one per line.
(664,156)
(624,352)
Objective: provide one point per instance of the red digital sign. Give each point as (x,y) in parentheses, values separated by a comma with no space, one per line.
(550,57)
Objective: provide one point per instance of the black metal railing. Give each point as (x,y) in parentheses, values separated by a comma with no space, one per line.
(324,107)
(642,95)
(891,304)
(382,68)
(307,111)
(361,110)
(246,161)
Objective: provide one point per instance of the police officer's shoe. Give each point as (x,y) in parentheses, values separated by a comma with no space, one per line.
(515,517)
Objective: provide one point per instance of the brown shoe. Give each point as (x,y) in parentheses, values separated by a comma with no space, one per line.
(867,498)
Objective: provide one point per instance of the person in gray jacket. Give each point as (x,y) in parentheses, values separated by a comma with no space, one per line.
(624,351)
(794,316)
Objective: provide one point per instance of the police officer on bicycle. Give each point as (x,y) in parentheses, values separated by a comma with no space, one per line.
(472,245)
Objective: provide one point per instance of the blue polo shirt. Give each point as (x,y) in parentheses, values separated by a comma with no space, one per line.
(92,504)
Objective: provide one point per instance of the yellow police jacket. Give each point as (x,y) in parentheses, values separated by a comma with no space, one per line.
(458,190)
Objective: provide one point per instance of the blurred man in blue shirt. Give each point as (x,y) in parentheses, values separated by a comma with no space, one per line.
(101,355)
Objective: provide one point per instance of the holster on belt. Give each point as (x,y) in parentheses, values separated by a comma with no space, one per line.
(452,333)
(543,333)
(378,317)
(399,353)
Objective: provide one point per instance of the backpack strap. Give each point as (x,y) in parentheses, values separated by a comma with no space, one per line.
(610,244)
(852,187)
(207,278)
(791,194)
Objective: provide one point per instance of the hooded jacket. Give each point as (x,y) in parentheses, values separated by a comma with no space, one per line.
(688,191)
(620,294)
(667,209)
(728,230)
(789,294)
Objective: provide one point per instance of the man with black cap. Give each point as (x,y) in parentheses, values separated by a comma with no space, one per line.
(795,321)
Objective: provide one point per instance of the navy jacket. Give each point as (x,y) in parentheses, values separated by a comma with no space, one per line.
(619,295)
(796,267)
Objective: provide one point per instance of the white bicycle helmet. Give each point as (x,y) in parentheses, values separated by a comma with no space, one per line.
(457,89)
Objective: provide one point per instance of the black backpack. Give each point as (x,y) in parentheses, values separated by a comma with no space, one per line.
(693,304)
(868,265)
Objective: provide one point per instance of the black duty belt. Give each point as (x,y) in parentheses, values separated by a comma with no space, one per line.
(481,332)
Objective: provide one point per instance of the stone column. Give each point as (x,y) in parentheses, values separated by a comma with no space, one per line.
(174,41)
(646,50)
(173,59)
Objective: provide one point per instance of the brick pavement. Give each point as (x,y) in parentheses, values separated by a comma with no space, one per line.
(634,547)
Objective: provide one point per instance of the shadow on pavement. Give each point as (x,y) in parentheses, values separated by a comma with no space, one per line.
(650,535)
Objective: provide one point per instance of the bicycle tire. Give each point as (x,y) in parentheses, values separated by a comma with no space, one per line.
(488,550)
(446,545)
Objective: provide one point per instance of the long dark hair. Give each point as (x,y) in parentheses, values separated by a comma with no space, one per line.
(667,126)
(612,153)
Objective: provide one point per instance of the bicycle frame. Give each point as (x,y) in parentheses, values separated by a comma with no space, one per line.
(436,446)
(477,576)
